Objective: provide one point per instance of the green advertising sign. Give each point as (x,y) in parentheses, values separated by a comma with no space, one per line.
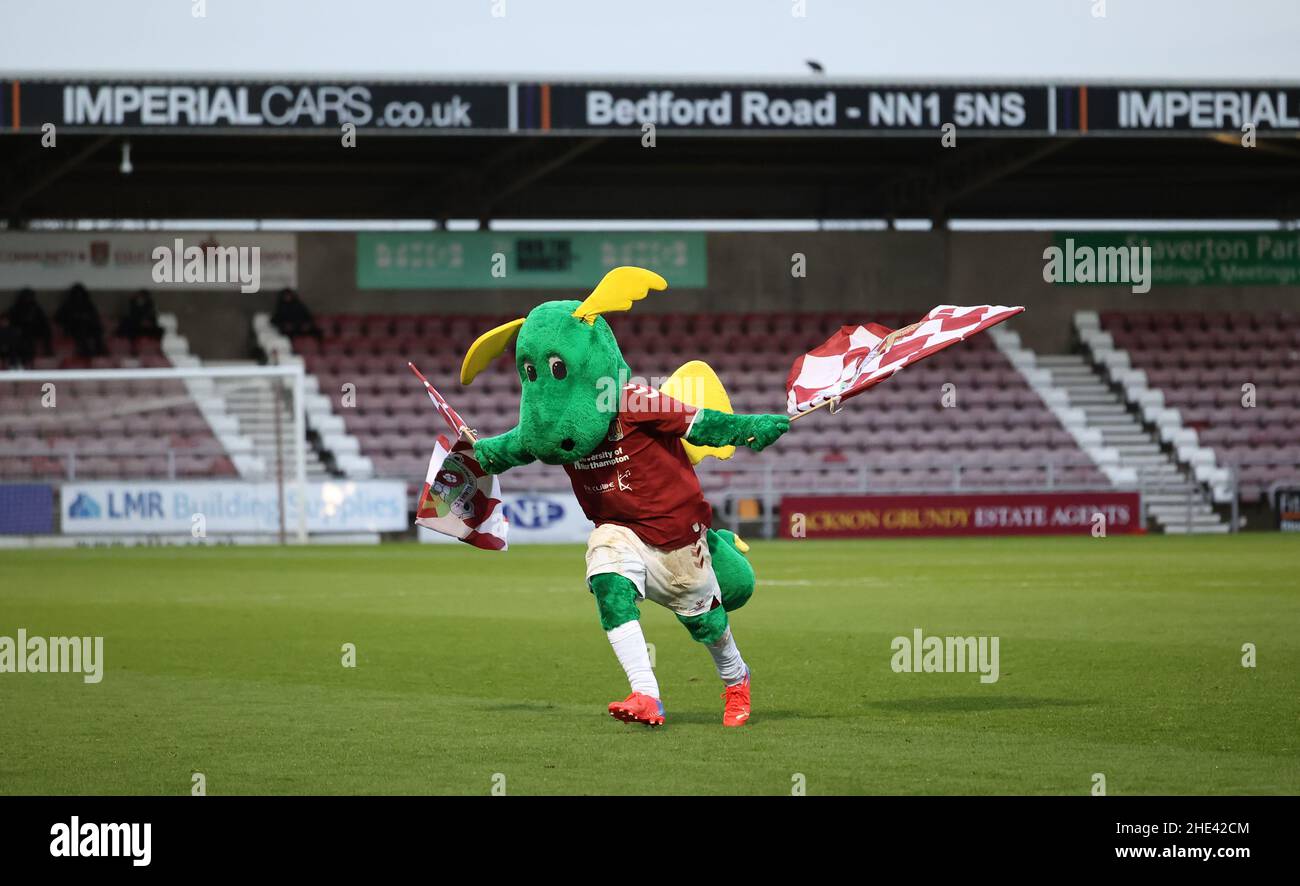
(523,260)
(1184,258)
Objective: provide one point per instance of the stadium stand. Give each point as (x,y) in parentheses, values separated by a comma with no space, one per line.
(997,435)
(1232,377)
(1177,494)
(105,429)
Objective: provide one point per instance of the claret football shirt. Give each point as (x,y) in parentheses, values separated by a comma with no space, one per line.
(640,476)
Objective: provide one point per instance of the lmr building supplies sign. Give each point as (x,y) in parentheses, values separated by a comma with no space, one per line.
(112,260)
(230,507)
(499,260)
(897,516)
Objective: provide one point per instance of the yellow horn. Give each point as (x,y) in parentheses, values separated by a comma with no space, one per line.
(486,348)
(617,290)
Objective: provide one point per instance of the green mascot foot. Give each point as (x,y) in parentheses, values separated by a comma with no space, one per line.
(735,575)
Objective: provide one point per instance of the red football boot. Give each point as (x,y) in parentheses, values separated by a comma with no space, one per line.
(736,711)
(640,708)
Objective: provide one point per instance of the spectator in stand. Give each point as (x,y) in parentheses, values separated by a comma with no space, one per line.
(291,316)
(30,324)
(140,319)
(12,346)
(80,321)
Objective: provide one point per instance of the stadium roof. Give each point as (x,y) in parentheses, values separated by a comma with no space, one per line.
(266,149)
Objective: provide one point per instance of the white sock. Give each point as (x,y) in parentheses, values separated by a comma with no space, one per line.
(726,657)
(629,646)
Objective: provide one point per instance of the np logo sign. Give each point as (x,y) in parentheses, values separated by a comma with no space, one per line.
(533,513)
(536,518)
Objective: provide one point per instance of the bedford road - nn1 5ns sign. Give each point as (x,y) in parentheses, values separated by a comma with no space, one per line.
(503,108)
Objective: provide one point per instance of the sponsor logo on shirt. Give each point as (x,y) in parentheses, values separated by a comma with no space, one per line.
(598,460)
(620,483)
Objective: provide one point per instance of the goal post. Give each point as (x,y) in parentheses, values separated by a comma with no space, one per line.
(51,420)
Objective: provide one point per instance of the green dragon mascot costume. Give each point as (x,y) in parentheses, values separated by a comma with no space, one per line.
(630,453)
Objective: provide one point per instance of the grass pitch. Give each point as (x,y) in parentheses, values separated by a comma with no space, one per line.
(1119,656)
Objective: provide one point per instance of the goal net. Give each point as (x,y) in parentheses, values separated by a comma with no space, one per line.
(156,455)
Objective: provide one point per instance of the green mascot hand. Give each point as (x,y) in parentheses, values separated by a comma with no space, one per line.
(502,452)
(764,430)
(713,428)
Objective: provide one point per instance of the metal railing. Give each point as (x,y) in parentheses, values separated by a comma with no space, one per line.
(292,374)
(69,458)
(855,475)
(767,483)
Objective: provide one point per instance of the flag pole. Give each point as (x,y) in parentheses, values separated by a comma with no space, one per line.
(452,417)
(798,415)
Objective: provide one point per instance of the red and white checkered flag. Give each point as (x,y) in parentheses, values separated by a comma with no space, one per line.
(459,498)
(857,357)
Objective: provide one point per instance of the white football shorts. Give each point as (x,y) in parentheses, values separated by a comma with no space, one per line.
(681,580)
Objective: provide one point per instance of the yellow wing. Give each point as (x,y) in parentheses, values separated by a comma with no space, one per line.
(486,348)
(617,290)
(696,384)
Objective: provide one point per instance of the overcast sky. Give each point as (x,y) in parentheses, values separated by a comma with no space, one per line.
(1207,40)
